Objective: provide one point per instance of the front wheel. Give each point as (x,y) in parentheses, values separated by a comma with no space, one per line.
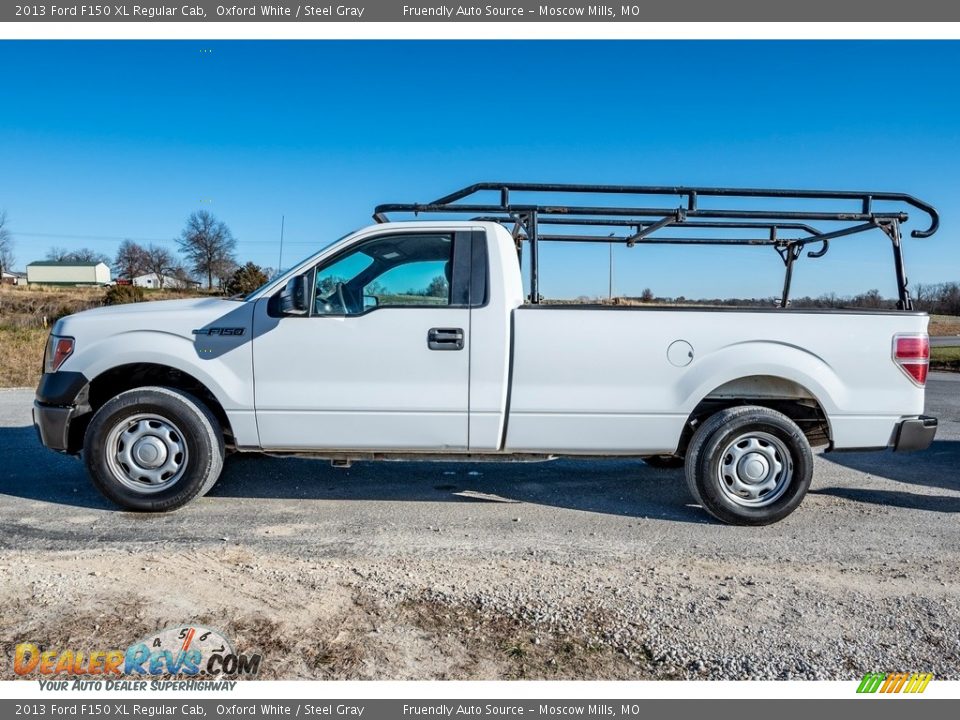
(153,449)
(749,465)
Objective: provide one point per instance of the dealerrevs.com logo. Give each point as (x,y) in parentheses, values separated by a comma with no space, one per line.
(909,683)
(183,651)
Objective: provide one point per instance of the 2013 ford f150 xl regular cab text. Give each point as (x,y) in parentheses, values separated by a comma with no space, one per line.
(422,340)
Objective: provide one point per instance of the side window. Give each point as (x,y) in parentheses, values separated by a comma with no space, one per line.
(392,270)
(416,283)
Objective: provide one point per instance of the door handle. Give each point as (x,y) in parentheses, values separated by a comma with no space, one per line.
(445,338)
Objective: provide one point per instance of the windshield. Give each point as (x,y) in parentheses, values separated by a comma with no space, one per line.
(283,271)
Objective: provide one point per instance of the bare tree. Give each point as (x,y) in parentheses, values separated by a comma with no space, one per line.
(223,270)
(209,245)
(88,255)
(181,275)
(83,255)
(6,244)
(159,261)
(57,254)
(131,260)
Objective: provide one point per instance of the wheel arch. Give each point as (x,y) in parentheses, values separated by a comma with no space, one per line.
(120,378)
(785,395)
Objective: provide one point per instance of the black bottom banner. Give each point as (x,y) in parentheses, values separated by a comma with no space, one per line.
(874,708)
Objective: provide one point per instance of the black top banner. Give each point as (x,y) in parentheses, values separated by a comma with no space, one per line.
(502,11)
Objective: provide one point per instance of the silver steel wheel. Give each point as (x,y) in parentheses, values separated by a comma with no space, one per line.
(146,453)
(755,469)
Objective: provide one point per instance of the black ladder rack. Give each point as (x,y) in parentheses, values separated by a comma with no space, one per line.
(787,231)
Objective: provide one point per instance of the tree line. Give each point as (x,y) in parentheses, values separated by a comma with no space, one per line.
(939,299)
(207,247)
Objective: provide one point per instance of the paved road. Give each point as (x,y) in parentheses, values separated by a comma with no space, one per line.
(945,341)
(862,577)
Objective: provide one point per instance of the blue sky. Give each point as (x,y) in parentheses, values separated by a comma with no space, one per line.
(105,140)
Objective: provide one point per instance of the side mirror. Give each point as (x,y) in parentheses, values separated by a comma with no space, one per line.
(370,302)
(295,296)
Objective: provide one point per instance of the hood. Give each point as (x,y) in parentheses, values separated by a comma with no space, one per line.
(162,306)
(178,317)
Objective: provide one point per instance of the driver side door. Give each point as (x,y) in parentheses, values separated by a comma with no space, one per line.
(381,359)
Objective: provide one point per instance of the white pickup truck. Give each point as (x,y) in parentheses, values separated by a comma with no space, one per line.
(418,340)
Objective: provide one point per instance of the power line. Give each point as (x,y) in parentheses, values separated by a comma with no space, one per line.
(110,238)
(91,237)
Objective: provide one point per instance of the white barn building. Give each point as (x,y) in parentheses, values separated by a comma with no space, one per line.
(152,280)
(50,272)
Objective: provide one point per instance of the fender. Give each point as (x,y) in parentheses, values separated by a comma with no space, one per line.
(226,376)
(762,357)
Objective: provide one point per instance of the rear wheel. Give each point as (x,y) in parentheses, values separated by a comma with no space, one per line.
(153,449)
(749,465)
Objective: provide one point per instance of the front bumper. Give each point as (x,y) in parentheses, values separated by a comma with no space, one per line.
(53,425)
(915,434)
(61,397)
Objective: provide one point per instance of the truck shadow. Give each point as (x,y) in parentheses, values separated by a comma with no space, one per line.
(937,467)
(618,487)
(30,471)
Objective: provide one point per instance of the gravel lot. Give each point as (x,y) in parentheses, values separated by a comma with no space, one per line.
(570,569)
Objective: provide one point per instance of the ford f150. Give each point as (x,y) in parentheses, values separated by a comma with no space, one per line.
(419,340)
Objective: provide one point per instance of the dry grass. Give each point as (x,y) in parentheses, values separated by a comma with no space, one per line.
(21,355)
(944,325)
(39,307)
(26,314)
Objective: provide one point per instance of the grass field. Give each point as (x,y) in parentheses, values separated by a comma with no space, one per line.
(945,358)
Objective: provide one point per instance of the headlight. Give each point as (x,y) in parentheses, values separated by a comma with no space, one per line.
(58,350)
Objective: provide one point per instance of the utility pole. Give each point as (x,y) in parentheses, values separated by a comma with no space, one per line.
(610,274)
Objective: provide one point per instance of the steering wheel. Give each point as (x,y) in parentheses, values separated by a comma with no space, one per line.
(328,305)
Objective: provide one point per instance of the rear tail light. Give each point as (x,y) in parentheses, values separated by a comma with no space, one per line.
(912,354)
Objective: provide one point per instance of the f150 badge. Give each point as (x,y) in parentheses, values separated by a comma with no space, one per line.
(233,331)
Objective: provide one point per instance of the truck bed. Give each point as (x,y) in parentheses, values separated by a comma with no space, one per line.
(597,379)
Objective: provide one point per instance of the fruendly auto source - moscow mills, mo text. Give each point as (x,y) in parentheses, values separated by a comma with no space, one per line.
(314,11)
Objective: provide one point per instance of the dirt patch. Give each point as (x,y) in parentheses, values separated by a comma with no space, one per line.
(306,621)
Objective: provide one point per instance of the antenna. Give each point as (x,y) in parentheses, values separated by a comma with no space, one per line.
(280,259)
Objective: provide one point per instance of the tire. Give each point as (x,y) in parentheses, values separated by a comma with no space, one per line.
(732,465)
(664,462)
(153,449)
